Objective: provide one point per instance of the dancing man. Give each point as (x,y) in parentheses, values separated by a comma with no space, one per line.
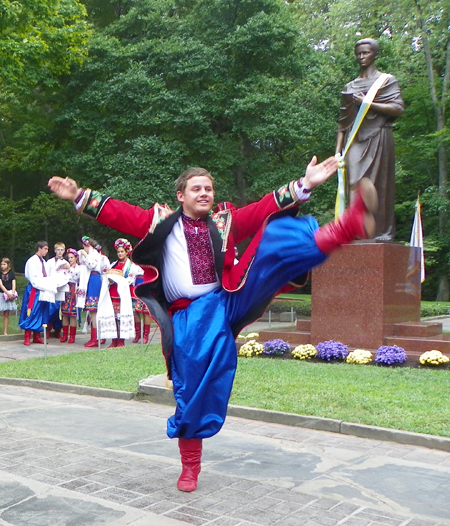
(200,299)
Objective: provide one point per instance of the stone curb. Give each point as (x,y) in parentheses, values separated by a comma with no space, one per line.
(164,396)
(11,337)
(68,388)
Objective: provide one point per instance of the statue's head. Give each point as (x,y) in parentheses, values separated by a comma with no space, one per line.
(371,42)
(366,51)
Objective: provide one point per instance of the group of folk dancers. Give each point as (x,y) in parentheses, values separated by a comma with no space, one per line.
(59,289)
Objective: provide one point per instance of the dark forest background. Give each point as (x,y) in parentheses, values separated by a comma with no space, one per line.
(124,95)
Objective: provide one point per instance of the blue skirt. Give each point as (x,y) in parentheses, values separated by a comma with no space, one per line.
(204,357)
(39,313)
(93,291)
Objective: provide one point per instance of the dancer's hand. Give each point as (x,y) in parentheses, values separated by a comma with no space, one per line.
(317,174)
(65,188)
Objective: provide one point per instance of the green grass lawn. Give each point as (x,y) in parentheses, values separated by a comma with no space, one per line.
(404,398)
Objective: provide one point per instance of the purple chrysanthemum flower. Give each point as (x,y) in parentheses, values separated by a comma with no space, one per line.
(276,347)
(331,350)
(390,354)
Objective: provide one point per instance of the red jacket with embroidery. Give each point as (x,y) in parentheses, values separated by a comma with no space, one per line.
(227,225)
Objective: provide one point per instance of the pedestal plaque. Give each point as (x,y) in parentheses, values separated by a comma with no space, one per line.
(362,290)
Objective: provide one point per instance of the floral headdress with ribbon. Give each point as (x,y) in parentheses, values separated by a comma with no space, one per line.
(86,242)
(124,243)
(73,252)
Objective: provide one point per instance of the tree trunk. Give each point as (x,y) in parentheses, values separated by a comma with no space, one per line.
(443,289)
(240,182)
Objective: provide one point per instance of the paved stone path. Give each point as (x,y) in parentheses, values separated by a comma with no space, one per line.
(70,460)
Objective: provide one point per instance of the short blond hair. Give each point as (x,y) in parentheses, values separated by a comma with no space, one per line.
(60,244)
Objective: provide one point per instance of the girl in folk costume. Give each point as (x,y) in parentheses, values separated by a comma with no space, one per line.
(8,294)
(122,277)
(69,305)
(93,265)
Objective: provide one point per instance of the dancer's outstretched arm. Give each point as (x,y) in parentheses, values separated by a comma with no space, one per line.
(317,174)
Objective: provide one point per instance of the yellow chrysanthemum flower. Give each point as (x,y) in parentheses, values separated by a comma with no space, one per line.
(304,352)
(359,356)
(433,358)
(251,348)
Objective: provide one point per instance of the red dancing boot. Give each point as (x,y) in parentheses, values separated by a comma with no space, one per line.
(49,330)
(120,343)
(27,337)
(113,344)
(146,333)
(191,454)
(37,337)
(357,222)
(58,333)
(65,333)
(93,342)
(137,328)
(72,334)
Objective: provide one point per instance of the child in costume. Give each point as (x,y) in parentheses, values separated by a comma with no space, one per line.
(8,294)
(121,293)
(56,266)
(69,309)
(93,266)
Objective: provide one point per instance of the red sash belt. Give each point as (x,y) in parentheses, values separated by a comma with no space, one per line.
(31,300)
(179,304)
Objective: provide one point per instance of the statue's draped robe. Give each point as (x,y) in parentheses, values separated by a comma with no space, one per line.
(372,152)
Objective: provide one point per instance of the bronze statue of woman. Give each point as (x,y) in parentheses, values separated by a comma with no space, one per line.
(372,152)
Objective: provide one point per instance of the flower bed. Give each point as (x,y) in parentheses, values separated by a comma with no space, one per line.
(334,352)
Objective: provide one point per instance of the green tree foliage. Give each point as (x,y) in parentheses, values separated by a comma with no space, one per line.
(247,88)
(414,39)
(227,85)
(40,41)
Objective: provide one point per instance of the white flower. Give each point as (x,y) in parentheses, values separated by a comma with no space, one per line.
(247,336)
(304,352)
(359,356)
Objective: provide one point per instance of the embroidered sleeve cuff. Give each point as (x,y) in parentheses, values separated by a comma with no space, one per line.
(90,202)
(81,200)
(302,193)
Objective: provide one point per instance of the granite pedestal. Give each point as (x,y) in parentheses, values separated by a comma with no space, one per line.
(362,291)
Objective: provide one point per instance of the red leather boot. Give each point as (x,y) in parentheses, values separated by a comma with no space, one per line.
(113,344)
(65,332)
(120,342)
(72,334)
(137,328)
(93,342)
(146,333)
(37,337)
(27,337)
(58,333)
(49,330)
(191,455)
(357,222)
